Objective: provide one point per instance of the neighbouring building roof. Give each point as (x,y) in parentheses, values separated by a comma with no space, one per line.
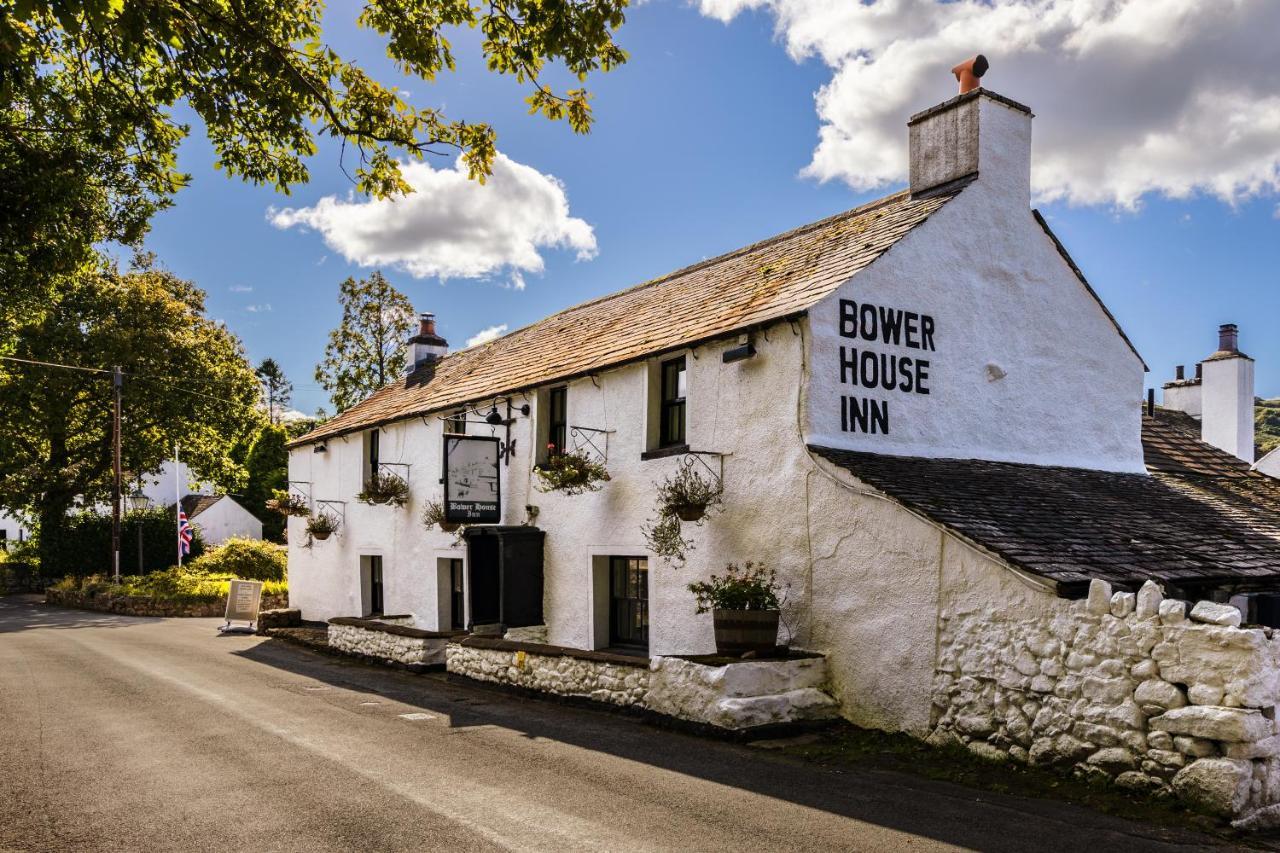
(193,505)
(1202,518)
(767,281)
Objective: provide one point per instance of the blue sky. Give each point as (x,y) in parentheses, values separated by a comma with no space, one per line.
(705,141)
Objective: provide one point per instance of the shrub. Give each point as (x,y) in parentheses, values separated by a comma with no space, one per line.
(751,587)
(433,516)
(178,585)
(247,559)
(84,545)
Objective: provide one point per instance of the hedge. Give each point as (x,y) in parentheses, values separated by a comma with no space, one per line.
(83,546)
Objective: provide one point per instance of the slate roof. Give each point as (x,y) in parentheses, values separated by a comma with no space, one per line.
(767,281)
(1201,518)
(193,505)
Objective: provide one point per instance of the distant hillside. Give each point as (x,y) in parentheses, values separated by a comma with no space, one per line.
(1267,421)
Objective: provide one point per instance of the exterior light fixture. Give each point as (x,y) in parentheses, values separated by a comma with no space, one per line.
(320,448)
(741,351)
(137,503)
(493,418)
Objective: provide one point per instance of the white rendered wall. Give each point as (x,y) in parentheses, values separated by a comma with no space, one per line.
(160,488)
(1269,464)
(226,519)
(1027,367)
(15,528)
(1227,421)
(1183,398)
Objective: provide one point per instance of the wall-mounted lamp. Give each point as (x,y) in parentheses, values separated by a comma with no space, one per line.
(744,350)
(320,448)
(493,418)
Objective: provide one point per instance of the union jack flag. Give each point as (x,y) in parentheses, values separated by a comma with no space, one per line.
(184,533)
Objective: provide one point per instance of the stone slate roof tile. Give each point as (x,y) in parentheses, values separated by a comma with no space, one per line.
(762,283)
(1200,518)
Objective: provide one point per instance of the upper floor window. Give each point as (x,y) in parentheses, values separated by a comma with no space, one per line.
(456,424)
(557,419)
(672,415)
(372,453)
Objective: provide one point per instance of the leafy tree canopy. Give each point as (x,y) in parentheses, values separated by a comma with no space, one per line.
(368,347)
(186,380)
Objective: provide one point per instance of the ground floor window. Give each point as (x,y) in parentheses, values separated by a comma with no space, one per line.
(457,600)
(373,606)
(629,602)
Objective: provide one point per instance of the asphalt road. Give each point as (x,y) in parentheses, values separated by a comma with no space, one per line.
(150,734)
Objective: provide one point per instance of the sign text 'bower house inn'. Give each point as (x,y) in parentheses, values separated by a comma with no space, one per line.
(868,367)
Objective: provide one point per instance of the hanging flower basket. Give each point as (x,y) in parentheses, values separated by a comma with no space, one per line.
(433,516)
(690,512)
(287,503)
(383,488)
(572,472)
(685,497)
(321,526)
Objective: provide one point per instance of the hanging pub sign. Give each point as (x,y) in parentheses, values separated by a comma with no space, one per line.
(472,490)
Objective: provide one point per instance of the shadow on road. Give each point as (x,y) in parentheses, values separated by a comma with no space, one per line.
(940,810)
(25,612)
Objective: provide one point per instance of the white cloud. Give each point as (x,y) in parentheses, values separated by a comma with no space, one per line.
(485,335)
(241,288)
(1132,96)
(258,309)
(453,227)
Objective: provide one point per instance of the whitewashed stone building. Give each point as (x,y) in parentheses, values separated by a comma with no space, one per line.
(924,419)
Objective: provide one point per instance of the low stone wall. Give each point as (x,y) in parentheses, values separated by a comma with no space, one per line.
(283,617)
(127,605)
(599,676)
(391,642)
(1128,688)
(741,695)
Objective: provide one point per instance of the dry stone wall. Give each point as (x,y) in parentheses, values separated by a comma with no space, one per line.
(615,683)
(742,695)
(388,642)
(1125,687)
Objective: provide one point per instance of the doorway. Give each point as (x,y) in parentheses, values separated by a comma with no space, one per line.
(629,602)
(371,585)
(457,597)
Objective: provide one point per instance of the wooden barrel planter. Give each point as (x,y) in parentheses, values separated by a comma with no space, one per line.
(740,631)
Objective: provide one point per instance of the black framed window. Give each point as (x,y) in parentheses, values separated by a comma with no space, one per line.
(457,600)
(557,419)
(672,417)
(374,460)
(375,584)
(629,602)
(456,424)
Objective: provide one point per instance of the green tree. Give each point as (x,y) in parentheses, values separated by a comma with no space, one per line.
(368,348)
(277,389)
(88,90)
(186,380)
(267,464)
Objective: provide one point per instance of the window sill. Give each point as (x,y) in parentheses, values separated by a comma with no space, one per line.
(664,452)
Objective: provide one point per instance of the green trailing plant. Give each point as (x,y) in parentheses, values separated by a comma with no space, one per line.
(178,585)
(751,586)
(321,526)
(433,516)
(684,497)
(383,487)
(572,472)
(287,503)
(688,494)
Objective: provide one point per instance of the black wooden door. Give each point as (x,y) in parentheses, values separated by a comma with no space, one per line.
(375,585)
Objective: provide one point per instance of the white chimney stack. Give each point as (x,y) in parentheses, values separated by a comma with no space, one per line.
(1226,420)
(975,134)
(426,347)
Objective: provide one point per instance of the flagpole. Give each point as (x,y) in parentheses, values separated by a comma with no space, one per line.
(177,498)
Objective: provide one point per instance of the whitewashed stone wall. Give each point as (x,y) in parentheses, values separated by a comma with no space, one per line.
(1126,687)
(741,695)
(394,648)
(615,684)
